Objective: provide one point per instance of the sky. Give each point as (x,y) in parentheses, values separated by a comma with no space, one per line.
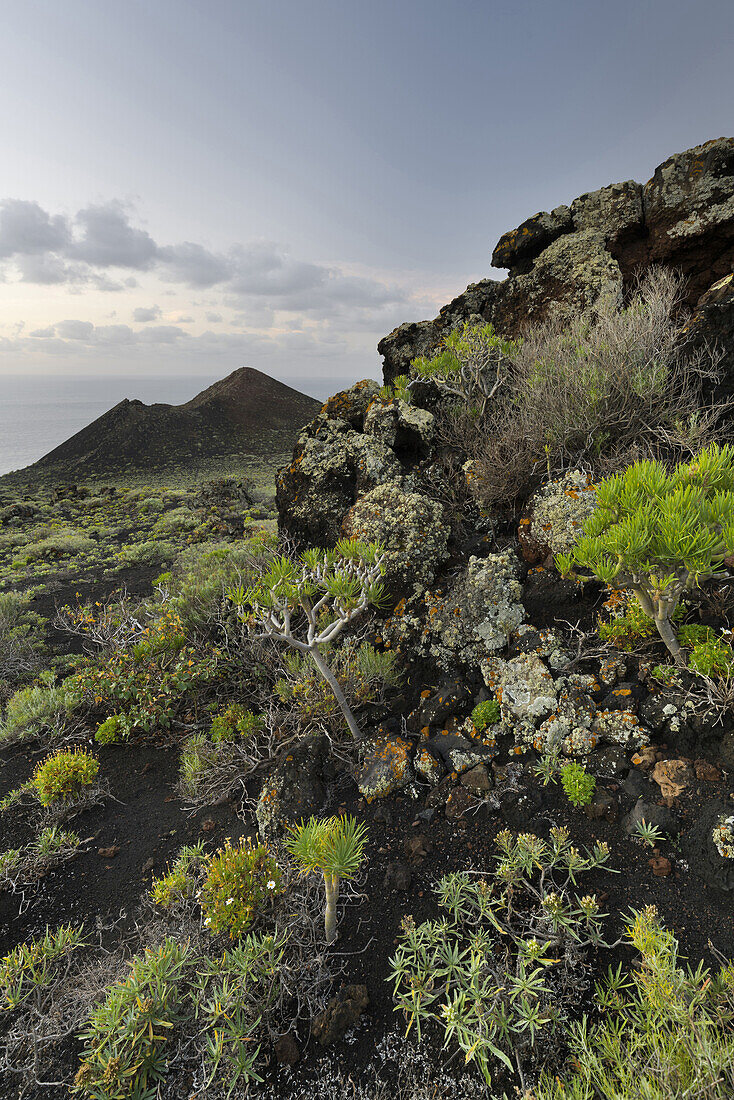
(191,186)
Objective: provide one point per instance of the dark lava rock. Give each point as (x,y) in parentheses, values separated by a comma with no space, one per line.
(458,803)
(702,854)
(603,806)
(287,1051)
(477,779)
(653,814)
(295,789)
(341,1013)
(398,876)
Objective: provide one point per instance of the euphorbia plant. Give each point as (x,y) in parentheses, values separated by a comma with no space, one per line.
(661,533)
(334,846)
(307,602)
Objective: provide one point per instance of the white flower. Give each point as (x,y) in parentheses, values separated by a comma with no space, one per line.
(207,921)
(271,884)
(230,901)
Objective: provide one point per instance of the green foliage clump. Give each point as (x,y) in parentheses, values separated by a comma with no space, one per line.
(180,881)
(233,722)
(335,847)
(125,1035)
(470,364)
(661,533)
(240,884)
(62,777)
(21,639)
(499,972)
(577,783)
(61,544)
(40,707)
(149,552)
(398,390)
(485,714)
(35,966)
(25,866)
(664,1031)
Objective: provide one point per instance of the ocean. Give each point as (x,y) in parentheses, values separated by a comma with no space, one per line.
(39,412)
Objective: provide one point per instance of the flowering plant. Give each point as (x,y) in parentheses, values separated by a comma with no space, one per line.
(240,883)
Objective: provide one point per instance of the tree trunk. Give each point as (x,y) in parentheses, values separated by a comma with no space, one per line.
(339,695)
(332,897)
(666,632)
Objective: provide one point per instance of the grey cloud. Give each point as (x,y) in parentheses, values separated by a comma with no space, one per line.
(146,313)
(27,229)
(44,332)
(46,269)
(108,239)
(74,330)
(193,264)
(214,318)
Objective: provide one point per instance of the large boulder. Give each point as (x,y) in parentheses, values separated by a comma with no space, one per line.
(564,260)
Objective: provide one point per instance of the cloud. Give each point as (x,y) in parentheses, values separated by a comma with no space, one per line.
(74,330)
(109,240)
(195,265)
(26,229)
(146,313)
(44,332)
(214,318)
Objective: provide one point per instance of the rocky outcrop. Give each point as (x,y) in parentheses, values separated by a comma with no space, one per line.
(357,443)
(564,261)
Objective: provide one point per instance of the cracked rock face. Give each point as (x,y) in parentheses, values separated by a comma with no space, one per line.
(565,259)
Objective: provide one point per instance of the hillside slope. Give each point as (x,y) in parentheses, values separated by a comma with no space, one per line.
(245,413)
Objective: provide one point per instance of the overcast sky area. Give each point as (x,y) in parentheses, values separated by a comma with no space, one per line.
(190,186)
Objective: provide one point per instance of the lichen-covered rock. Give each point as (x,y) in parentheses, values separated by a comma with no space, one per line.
(523,686)
(332,464)
(386,766)
(351,405)
(566,260)
(530,238)
(478,614)
(412,530)
(428,767)
(341,1014)
(406,429)
(555,517)
(294,791)
(616,211)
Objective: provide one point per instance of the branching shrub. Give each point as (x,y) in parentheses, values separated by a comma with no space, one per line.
(240,884)
(501,971)
(335,847)
(665,1031)
(472,364)
(602,392)
(661,534)
(62,777)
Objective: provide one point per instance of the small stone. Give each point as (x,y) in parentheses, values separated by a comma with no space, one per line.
(603,806)
(109,853)
(341,1013)
(477,779)
(417,847)
(645,758)
(286,1050)
(148,865)
(208,825)
(706,771)
(398,876)
(661,867)
(672,776)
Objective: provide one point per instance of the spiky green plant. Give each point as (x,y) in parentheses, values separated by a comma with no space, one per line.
(307,602)
(661,533)
(334,846)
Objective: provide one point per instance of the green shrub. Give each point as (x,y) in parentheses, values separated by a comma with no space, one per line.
(25,866)
(499,972)
(661,534)
(40,707)
(233,722)
(182,879)
(21,637)
(578,784)
(125,1035)
(240,884)
(36,966)
(62,777)
(485,714)
(117,727)
(470,364)
(145,553)
(63,543)
(665,1032)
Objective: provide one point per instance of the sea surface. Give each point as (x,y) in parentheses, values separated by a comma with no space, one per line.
(39,412)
